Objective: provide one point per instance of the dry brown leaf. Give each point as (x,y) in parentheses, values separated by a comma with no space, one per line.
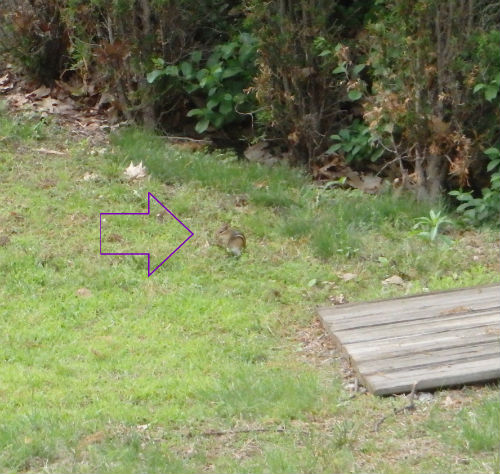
(40,93)
(348,276)
(394,280)
(337,299)
(90,176)
(50,152)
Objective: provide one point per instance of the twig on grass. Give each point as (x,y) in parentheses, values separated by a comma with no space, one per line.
(410,406)
(279,429)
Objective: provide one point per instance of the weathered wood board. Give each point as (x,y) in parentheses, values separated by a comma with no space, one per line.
(434,340)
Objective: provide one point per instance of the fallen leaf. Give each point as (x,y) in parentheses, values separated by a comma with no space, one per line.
(348,276)
(39,93)
(449,402)
(50,152)
(370,183)
(135,171)
(394,280)
(338,299)
(90,177)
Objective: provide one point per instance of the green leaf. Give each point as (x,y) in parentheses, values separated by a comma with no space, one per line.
(153,75)
(354,95)
(377,154)
(225,108)
(190,88)
(187,69)
(492,152)
(230,72)
(195,113)
(202,73)
(334,148)
(478,87)
(493,164)
(340,69)
(490,93)
(159,63)
(172,70)
(219,121)
(358,68)
(212,103)
(196,56)
(202,125)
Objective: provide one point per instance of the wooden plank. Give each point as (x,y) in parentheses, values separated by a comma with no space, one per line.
(438,339)
(456,297)
(416,315)
(422,307)
(428,347)
(426,341)
(428,358)
(439,376)
(394,331)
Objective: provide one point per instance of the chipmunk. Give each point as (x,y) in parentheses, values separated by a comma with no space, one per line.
(231,239)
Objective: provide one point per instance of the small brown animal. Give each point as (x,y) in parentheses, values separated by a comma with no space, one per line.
(231,239)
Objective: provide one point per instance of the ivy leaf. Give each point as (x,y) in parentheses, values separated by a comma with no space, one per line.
(354,95)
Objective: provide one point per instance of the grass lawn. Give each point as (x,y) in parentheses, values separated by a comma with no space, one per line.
(214,363)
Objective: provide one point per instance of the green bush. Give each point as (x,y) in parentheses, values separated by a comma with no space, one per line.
(356,143)
(477,210)
(219,81)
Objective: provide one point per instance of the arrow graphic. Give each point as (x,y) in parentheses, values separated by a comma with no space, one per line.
(150,196)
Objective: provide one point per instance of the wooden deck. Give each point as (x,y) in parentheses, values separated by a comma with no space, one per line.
(434,339)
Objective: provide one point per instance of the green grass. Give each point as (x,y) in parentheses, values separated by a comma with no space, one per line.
(104,369)
(473,429)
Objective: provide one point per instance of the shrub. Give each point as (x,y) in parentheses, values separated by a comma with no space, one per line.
(35,37)
(218,82)
(477,210)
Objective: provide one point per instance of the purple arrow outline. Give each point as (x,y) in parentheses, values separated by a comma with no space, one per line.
(141,214)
